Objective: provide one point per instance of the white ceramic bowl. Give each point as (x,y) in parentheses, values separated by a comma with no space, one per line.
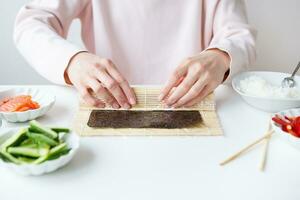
(72,141)
(292,140)
(45,99)
(265,103)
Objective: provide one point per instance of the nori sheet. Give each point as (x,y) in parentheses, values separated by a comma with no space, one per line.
(143,119)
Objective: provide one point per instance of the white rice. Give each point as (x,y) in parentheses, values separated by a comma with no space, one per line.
(259,87)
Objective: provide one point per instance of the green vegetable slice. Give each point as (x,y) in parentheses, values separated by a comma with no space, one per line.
(37,127)
(10,158)
(58,149)
(26,160)
(39,138)
(61,153)
(40,159)
(26,142)
(30,152)
(14,140)
(60,129)
(54,153)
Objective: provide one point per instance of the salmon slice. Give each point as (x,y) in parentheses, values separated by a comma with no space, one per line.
(3,101)
(19,103)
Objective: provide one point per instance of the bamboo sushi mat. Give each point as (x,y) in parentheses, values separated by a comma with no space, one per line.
(147,100)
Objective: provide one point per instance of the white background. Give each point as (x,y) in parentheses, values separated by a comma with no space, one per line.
(278,44)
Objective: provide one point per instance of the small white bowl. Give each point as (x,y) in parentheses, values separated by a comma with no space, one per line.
(290,139)
(45,99)
(72,141)
(266,103)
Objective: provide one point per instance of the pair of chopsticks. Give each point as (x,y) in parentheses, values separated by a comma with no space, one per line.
(266,137)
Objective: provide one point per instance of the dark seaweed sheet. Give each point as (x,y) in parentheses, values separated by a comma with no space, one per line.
(143,119)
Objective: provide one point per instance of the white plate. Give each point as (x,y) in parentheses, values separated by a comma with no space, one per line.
(292,140)
(45,99)
(265,103)
(72,141)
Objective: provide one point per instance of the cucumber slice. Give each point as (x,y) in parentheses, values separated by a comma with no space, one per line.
(26,160)
(60,129)
(10,158)
(14,140)
(61,153)
(43,145)
(27,142)
(39,138)
(37,127)
(58,149)
(54,153)
(30,145)
(30,152)
(40,160)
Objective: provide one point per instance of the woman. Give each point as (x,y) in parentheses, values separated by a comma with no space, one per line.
(193,45)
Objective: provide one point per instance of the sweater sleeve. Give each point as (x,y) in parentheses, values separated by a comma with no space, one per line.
(232,34)
(40,33)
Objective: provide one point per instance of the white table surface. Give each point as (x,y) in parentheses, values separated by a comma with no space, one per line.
(165,167)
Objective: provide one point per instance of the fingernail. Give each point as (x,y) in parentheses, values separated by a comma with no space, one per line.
(132,101)
(126,106)
(116,106)
(166,105)
(169,103)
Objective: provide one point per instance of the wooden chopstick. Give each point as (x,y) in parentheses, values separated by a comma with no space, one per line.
(264,155)
(265,150)
(234,156)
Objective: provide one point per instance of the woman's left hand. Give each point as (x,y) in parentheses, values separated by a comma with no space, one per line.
(195,78)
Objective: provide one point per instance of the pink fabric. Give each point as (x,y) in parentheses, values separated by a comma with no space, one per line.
(146,39)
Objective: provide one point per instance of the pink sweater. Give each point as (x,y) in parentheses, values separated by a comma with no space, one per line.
(146,39)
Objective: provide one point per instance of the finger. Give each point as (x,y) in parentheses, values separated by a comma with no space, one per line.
(182,89)
(192,93)
(176,77)
(102,93)
(206,90)
(128,91)
(88,98)
(113,87)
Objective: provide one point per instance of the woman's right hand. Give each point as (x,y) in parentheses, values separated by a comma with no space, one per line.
(90,73)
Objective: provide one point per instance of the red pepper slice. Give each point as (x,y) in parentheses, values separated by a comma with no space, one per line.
(289,129)
(280,121)
(296,126)
(290,119)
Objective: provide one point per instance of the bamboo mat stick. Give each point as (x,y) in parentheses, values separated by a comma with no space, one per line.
(234,156)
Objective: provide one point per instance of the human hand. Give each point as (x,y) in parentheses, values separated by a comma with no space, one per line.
(195,78)
(90,73)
